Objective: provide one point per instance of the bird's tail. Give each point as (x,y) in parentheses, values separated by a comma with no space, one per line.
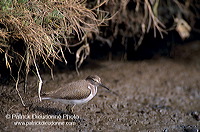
(45,98)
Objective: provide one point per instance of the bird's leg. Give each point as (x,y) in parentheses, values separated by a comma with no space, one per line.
(70,108)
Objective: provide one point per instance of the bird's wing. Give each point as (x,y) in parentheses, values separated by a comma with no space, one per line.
(74,90)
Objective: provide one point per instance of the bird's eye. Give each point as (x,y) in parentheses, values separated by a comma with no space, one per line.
(94,80)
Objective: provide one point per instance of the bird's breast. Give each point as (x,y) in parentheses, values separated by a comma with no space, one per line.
(93,89)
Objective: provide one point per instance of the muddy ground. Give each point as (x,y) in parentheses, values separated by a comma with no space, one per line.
(160,94)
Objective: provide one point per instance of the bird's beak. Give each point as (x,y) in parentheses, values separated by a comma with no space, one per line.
(103,86)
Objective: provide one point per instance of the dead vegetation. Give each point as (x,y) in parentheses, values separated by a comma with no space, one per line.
(135,18)
(45,27)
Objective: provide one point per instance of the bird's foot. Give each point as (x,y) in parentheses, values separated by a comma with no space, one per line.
(70,109)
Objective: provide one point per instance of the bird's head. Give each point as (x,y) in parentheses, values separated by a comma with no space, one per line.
(95,80)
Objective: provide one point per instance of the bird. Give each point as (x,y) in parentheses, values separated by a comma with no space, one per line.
(77,92)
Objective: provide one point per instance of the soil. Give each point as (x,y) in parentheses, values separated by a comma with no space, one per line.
(159,94)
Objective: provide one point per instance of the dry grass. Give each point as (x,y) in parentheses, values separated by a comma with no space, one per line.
(47,26)
(135,18)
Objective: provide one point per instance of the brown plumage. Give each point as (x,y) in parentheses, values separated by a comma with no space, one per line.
(78,92)
(72,91)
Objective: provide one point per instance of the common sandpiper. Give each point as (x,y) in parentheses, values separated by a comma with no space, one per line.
(77,92)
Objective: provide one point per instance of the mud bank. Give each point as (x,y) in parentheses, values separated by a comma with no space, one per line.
(161,94)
